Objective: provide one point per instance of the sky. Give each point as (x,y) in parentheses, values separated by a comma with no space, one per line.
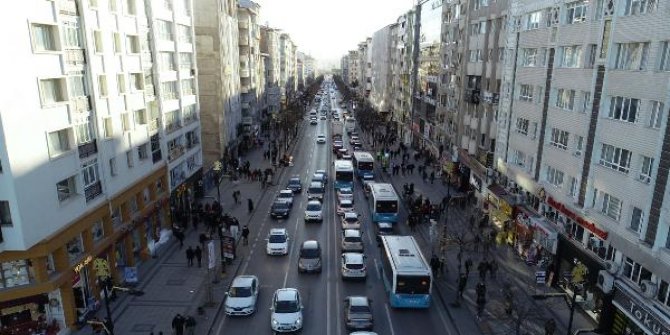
(327,29)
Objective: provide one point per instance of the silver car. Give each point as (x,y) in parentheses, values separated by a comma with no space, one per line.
(352,240)
(353,266)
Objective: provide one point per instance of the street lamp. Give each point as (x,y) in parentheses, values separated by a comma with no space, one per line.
(109,325)
(565,296)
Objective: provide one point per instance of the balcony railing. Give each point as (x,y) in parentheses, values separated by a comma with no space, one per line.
(68,7)
(192,142)
(156,156)
(154,125)
(82,104)
(92,191)
(176,152)
(172,126)
(188,119)
(75,58)
(88,149)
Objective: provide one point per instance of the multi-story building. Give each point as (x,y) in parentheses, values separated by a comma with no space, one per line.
(251,74)
(403,79)
(300,69)
(582,138)
(270,50)
(353,67)
(106,128)
(310,69)
(380,55)
(365,67)
(288,66)
(344,66)
(218,78)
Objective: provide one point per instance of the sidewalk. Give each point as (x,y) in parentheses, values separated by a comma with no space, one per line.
(170,286)
(512,270)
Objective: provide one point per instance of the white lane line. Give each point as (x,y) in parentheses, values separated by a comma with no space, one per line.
(379,273)
(388,316)
(291,252)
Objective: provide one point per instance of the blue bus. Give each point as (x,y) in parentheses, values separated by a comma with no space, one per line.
(384,203)
(407,276)
(344,174)
(364,165)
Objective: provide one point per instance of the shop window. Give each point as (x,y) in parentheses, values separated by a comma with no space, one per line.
(576,231)
(50,264)
(15,273)
(75,249)
(117,220)
(159,186)
(146,195)
(97,231)
(132,204)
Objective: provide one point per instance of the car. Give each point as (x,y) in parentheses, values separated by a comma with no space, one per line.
(242,296)
(286,196)
(363,333)
(345,206)
(352,240)
(280,209)
(277,242)
(313,211)
(357,145)
(323,117)
(346,157)
(354,133)
(319,177)
(366,187)
(286,311)
(315,190)
(321,139)
(325,175)
(341,152)
(309,258)
(358,312)
(345,193)
(384,228)
(350,221)
(353,139)
(337,145)
(353,266)
(294,184)
(313,122)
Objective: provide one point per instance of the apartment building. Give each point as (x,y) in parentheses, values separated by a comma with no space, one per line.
(582,139)
(344,68)
(365,68)
(251,68)
(402,81)
(218,61)
(310,69)
(99,130)
(270,50)
(287,66)
(380,72)
(353,62)
(300,69)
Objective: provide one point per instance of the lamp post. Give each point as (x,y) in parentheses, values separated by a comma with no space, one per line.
(571,304)
(109,324)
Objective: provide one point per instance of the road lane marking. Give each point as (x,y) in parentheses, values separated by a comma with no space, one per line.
(377,266)
(291,252)
(388,316)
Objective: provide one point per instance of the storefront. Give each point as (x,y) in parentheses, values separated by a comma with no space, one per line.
(536,239)
(476,174)
(633,315)
(183,195)
(499,204)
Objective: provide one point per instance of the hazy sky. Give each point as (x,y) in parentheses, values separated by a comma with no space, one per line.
(327,29)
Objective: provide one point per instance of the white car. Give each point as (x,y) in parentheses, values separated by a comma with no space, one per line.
(277,242)
(352,240)
(346,157)
(286,311)
(313,211)
(286,195)
(242,296)
(350,221)
(345,193)
(353,265)
(345,206)
(321,139)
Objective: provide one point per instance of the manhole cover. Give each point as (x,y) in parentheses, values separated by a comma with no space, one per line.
(142,328)
(175,282)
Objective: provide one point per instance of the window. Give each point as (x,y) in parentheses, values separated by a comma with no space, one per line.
(136,83)
(121,83)
(89,173)
(129,158)
(611,206)
(535,128)
(133,44)
(539,95)
(77,86)
(635,7)
(586,102)
(93,3)
(143,151)
(591,57)
(112,6)
(631,56)
(59,142)
(164,30)
(66,188)
(571,56)
(636,219)
(533,20)
(169,90)
(565,99)
(131,7)
(664,291)
(184,33)
(576,12)
(44,37)
(15,273)
(125,121)
(97,41)
(665,56)
(529,57)
(71,34)
(623,109)
(522,126)
(634,271)
(519,158)
(117,42)
(475,56)
(102,86)
(554,176)
(112,167)
(52,91)
(579,145)
(141,116)
(526,92)
(188,86)
(573,191)
(185,60)
(655,114)
(5,214)
(108,127)
(646,168)
(167,61)
(615,158)
(559,138)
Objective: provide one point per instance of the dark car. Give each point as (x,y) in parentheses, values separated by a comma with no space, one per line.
(280,209)
(358,312)
(294,184)
(310,257)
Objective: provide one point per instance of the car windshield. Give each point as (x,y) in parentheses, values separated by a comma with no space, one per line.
(285,195)
(294,182)
(277,238)
(239,292)
(280,205)
(286,306)
(354,266)
(346,205)
(313,207)
(386,206)
(352,239)
(346,191)
(359,309)
(351,219)
(309,253)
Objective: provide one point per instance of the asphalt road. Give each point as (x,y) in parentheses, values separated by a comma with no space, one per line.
(323,293)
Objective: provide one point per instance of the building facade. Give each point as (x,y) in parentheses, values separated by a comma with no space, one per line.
(251,69)
(380,71)
(270,51)
(353,62)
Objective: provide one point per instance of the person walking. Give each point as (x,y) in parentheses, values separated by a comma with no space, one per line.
(462,282)
(245,235)
(468,266)
(198,255)
(435,265)
(178,324)
(190,325)
(493,268)
(482,268)
(432,177)
(481,298)
(250,205)
(549,327)
(189,256)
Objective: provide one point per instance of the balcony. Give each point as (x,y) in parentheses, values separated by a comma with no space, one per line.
(243,24)
(81,104)
(491,98)
(244,72)
(192,142)
(156,156)
(172,126)
(68,7)
(188,119)
(154,125)
(92,191)
(244,40)
(75,58)
(87,149)
(176,152)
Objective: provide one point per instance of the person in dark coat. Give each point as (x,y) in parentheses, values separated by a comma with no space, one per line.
(482,268)
(468,266)
(462,282)
(435,265)
(198,255)
(250,205)
(245,235)
(189,256)
(178,324)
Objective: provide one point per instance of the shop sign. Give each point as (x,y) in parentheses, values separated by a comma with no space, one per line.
(640,313)
(82,264)
(540,277)
(228,247)
(101,267)
(569,213)
(130,274)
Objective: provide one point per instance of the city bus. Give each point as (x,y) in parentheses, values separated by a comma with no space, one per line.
(344,174)
(384,203)
(406,274)
(349,124)
(364,165)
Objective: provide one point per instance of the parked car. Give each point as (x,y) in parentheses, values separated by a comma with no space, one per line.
(242,296)
(352,240)
(309,259)
(353,266)
(286,196)
(286,311)
(294,184)
(350,221)
(277,242)
(358,312)
(345,206)
(313,211)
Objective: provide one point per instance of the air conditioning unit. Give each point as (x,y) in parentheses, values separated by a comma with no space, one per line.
(612,267)
(605,281)
(648,288)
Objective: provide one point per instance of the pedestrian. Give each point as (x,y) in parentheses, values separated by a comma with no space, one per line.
(432,177)
(245,235)
(178,324)
(481,298)
(189,255)
(180,236)
(198,255)
(468,266)
(476,242)
(443,265)
(549,327)
(435,265)
(482,268)
(493,268)
(202,238)
(462,282)
(250,205)
(190,325)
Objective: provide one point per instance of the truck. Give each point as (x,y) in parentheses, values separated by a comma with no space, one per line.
(337,128)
